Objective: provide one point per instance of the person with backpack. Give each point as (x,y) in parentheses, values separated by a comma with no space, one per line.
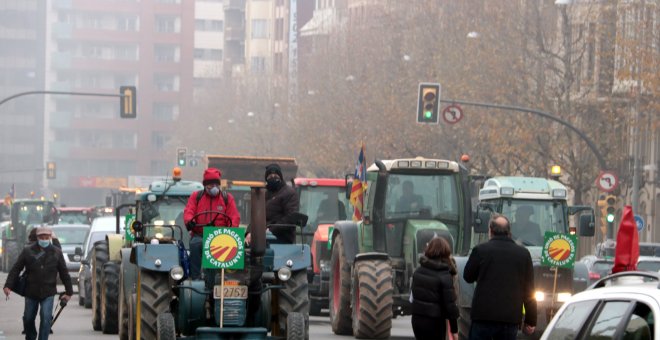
(42,263)
(210,206)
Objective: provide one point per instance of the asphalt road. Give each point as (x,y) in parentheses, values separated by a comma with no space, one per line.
(74,323)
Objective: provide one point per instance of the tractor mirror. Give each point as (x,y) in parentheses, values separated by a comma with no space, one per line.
(481,222)
(587,225)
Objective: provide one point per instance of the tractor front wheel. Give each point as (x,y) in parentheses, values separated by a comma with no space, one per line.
(155,298)
(109,298)
(340,290)
(295,327)
(99,258)
(372,299)
(166,327)
(294,298)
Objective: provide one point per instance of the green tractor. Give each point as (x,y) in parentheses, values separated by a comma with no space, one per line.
(373,260)
(534,206)
(161,204)
(161,302)
(26,214)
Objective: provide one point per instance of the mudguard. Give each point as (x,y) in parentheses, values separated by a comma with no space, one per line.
(191,313)
(156,257)
(349,234)
(115,242)
(299,254)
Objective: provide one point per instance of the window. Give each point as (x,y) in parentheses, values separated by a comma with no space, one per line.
(166,111)
(127,23)
(209,25)
(208,54)
(258,65)
(159,140)
(571,320)
(608,319)
(167,24)
(167,53)
(166,82)
(259,29)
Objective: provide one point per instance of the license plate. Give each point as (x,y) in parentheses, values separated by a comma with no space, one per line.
(230,292)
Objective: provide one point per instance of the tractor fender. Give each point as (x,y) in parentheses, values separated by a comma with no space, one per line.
(349,234)
(299,254)
(129,273)
(115,242)
(156,257)
(371,256)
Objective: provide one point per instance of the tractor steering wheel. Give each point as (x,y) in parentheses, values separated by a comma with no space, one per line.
(212,223)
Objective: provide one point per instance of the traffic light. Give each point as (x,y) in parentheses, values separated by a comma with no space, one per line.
(128,102)
(610,209)
(51,170)
(428,103)
(602,204)
(181,156)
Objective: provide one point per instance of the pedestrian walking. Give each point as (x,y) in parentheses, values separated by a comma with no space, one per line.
(433,294)
(505,284)
(42,262)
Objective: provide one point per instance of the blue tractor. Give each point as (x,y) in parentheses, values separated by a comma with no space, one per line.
(269,295)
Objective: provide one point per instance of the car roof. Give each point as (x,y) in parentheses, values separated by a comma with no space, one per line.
(107,223)
(71,225)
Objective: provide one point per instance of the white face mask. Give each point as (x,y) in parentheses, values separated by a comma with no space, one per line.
(214,191)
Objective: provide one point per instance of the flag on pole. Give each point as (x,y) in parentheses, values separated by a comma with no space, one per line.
(12,191)
(627,243)
(359,185)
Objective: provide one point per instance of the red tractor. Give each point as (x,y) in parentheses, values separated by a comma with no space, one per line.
(324,201)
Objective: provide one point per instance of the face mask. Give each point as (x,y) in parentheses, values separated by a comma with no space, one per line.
(214,191)
(273,183)
(44,243)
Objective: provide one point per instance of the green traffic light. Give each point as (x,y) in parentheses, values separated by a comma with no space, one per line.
(428,114)
(182,162)
(610,218)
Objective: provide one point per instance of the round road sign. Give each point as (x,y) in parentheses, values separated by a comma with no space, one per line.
(639,220)
(607,181)
(452,114)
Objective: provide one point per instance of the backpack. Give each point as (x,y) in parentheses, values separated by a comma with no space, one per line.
(224,196)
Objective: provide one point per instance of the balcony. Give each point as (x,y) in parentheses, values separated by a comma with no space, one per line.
(61,60)
(234,34)
(235,5)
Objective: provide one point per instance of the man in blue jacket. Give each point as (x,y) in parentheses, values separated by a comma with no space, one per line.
(504,274)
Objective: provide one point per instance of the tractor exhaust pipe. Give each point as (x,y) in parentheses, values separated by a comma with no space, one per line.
(258,221)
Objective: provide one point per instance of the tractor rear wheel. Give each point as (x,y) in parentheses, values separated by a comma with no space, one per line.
(166,327)
(155,298)
(109,298)
(295,327)
(99,258)
(372,299)
(340,290)
(294,298)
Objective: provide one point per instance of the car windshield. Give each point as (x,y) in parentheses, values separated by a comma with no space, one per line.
(531,219)
(422,196)
(71,235)
(324,204)
(648,266)
(74,217)
(33,212)
(603,268)
(93,238)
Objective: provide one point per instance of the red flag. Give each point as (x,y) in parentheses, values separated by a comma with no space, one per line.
(627,243)
(359,185)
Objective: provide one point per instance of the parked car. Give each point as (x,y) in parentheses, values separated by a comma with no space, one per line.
(620,306)
(72,237)
(648,264)
(598,267)
(100,227)
(649,249)
(75,215)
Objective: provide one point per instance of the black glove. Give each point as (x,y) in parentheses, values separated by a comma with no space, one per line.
(190,225)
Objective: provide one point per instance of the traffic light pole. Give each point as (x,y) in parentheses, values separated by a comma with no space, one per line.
(60,92)
(592,146)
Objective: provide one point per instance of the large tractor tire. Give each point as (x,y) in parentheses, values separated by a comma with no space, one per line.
(123,308)
(340,290)
(109,297)
(372,299)
(12,250)
(155,298)
(99,258)
(296,327)
(294,298)
(88,293)
(166,327)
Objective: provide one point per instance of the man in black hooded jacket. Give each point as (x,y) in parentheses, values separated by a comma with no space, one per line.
(281,202)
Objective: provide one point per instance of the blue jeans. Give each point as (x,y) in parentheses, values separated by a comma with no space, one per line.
(480,330)
(45,308)
(196,257)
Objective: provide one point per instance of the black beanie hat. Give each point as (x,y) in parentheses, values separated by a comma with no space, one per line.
(273,169)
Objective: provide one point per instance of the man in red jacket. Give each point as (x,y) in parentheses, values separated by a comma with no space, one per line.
(208,207)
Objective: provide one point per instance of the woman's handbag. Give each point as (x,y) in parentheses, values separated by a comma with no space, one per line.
(20,284)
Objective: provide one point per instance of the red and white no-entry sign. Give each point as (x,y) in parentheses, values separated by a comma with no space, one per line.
(452,114)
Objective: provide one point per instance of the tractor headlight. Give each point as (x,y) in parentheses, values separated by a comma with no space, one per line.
(284,274)
(176,273)
(76,258)
(563,297)
(539,296)
(159,236)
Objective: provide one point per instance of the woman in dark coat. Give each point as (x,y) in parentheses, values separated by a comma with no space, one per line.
(433,295)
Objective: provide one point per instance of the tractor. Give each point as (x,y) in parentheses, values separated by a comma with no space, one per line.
(324,201)
(545,203)
(372,260)
(162,302)
(26,214)
(161,204)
